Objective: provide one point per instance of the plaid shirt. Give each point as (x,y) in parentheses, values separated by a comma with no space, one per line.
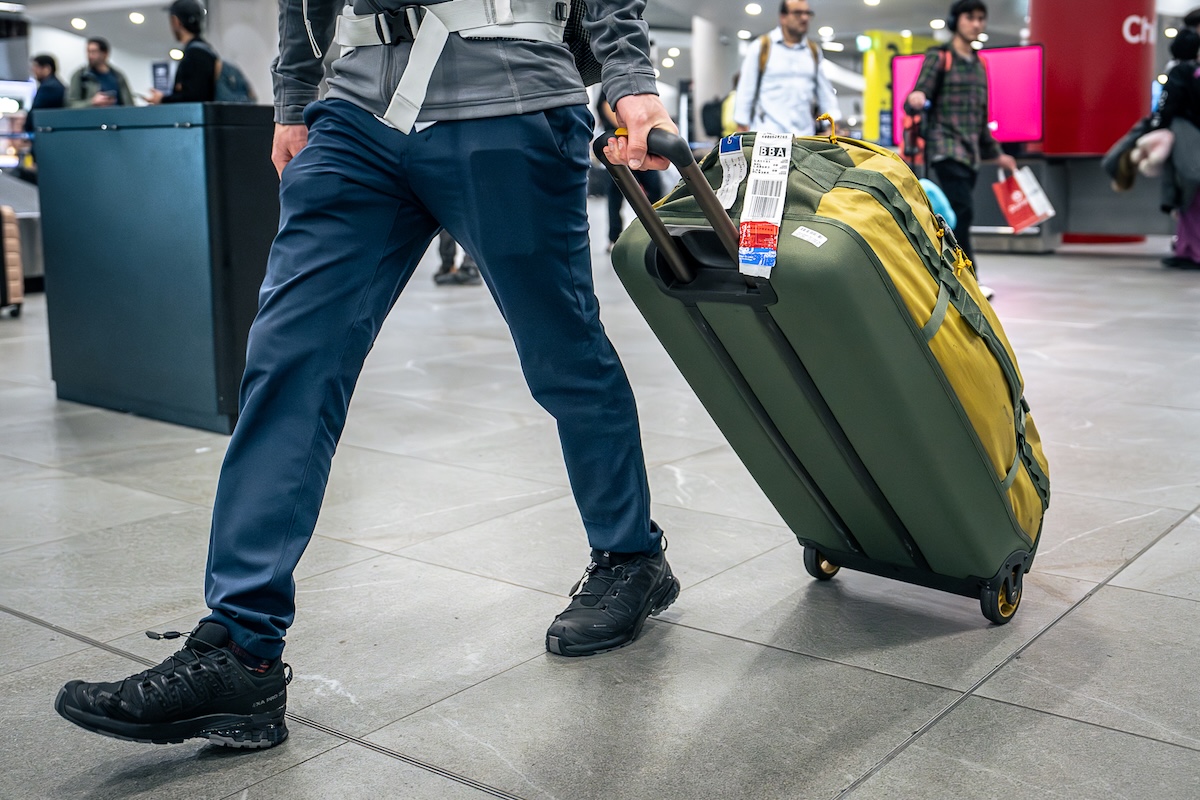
(958,120)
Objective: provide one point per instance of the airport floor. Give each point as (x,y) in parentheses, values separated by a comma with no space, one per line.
(449,540)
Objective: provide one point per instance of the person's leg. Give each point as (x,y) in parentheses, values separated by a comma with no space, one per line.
(615,200)
(534,252)
(447,249)
(651,182)
(958,182)
(1187,238)
(350,237)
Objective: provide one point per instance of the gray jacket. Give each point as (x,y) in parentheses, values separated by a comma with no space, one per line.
(474,78)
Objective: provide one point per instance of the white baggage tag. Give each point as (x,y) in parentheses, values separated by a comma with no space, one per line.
(762,210)
(733,170)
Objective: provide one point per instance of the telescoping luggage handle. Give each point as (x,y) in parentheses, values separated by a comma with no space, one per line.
(673,147)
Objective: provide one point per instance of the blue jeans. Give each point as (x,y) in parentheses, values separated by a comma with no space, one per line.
(359,206)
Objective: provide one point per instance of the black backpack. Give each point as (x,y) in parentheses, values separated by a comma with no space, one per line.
(710,117)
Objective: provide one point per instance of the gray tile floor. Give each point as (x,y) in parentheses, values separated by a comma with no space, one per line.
(449,540)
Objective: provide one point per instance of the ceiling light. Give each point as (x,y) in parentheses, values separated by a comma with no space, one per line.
(983,37)
(871,2)
(906,33)
(863,42)
(137,17)
(668,62)
(937,24)
(744,34)
(753,9)
(673,52)
(175,54)
(834,47)
(977,45)
(825,32)
(657,73)
(78,24)
(1171,33)
(1162,79)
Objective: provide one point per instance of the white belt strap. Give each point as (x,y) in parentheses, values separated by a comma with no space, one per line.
(481,19)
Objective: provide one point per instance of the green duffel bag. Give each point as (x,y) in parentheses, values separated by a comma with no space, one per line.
(866,384)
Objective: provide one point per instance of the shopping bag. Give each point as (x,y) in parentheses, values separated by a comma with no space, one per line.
(1022,199)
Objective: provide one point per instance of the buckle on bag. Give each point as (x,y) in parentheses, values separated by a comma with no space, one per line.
(399,24)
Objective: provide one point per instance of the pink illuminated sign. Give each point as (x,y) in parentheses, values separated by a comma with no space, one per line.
(1015,96)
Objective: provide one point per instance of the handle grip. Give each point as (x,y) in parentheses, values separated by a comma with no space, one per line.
(672,147)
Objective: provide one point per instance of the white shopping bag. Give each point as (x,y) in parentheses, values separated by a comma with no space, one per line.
(1022,199)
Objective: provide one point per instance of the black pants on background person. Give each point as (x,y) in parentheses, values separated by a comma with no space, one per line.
(651,183)
(958,182)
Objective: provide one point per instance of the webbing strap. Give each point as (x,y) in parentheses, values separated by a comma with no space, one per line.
(819,169)
(1011,477)
(939,313)
(889,196)
(518,19)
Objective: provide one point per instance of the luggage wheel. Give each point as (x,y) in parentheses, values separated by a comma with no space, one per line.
(15,311)
(999,604)
(817,565)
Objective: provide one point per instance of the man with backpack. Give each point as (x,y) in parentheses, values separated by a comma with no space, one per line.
(952,92)
(782,88)
(201,76)
(441,115)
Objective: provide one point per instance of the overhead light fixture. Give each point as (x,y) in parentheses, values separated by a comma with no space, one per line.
(977,45)
(668,62)
(983,37)
(753,9)
(825,32)
(657,73)
(1162,79)
(673,52)
(871,2)
(1171,33)
(863,42)
(78,24)
(137,17)
(833,47)
(906,33)
(937,24)
(176,54)
(744,34)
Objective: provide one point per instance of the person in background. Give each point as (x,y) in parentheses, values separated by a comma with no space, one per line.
(98,84)
(728,123)
(959,137)
(1180,105)
(1192,20)
(465,274)
(790,91)
(651,182)
(196,76)
(50,92)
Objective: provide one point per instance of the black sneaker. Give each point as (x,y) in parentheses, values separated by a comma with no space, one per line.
(610,603)
(466,275)
(201,692)
(1179,262)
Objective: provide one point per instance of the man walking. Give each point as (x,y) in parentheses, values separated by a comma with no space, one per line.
(953,91)
(485,133)
(782,88)
(99,83)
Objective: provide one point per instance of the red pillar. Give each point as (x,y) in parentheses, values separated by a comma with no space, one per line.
(1099,68)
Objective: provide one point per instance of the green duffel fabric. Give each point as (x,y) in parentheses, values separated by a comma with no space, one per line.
(886,316)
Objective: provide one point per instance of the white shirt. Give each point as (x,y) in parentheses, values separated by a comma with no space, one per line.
(792,84)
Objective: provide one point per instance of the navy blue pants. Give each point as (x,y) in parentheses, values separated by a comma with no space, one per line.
(359,206)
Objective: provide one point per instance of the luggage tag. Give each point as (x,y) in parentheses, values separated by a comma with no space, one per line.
(733,170)
(762,210)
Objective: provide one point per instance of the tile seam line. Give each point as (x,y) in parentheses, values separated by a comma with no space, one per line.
(970,692)
(1097,725)
(306,721)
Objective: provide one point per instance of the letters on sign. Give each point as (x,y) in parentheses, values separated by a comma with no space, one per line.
(1138,30)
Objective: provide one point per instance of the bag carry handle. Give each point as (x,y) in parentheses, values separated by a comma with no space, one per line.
(672,147)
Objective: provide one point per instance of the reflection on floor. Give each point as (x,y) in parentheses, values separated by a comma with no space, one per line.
(449,540)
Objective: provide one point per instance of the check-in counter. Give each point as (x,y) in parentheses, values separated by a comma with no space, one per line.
(156,225)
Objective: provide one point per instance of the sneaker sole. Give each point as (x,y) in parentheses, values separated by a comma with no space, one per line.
(655,606)
(240,731)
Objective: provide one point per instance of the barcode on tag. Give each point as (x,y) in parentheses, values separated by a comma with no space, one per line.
(764,199)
